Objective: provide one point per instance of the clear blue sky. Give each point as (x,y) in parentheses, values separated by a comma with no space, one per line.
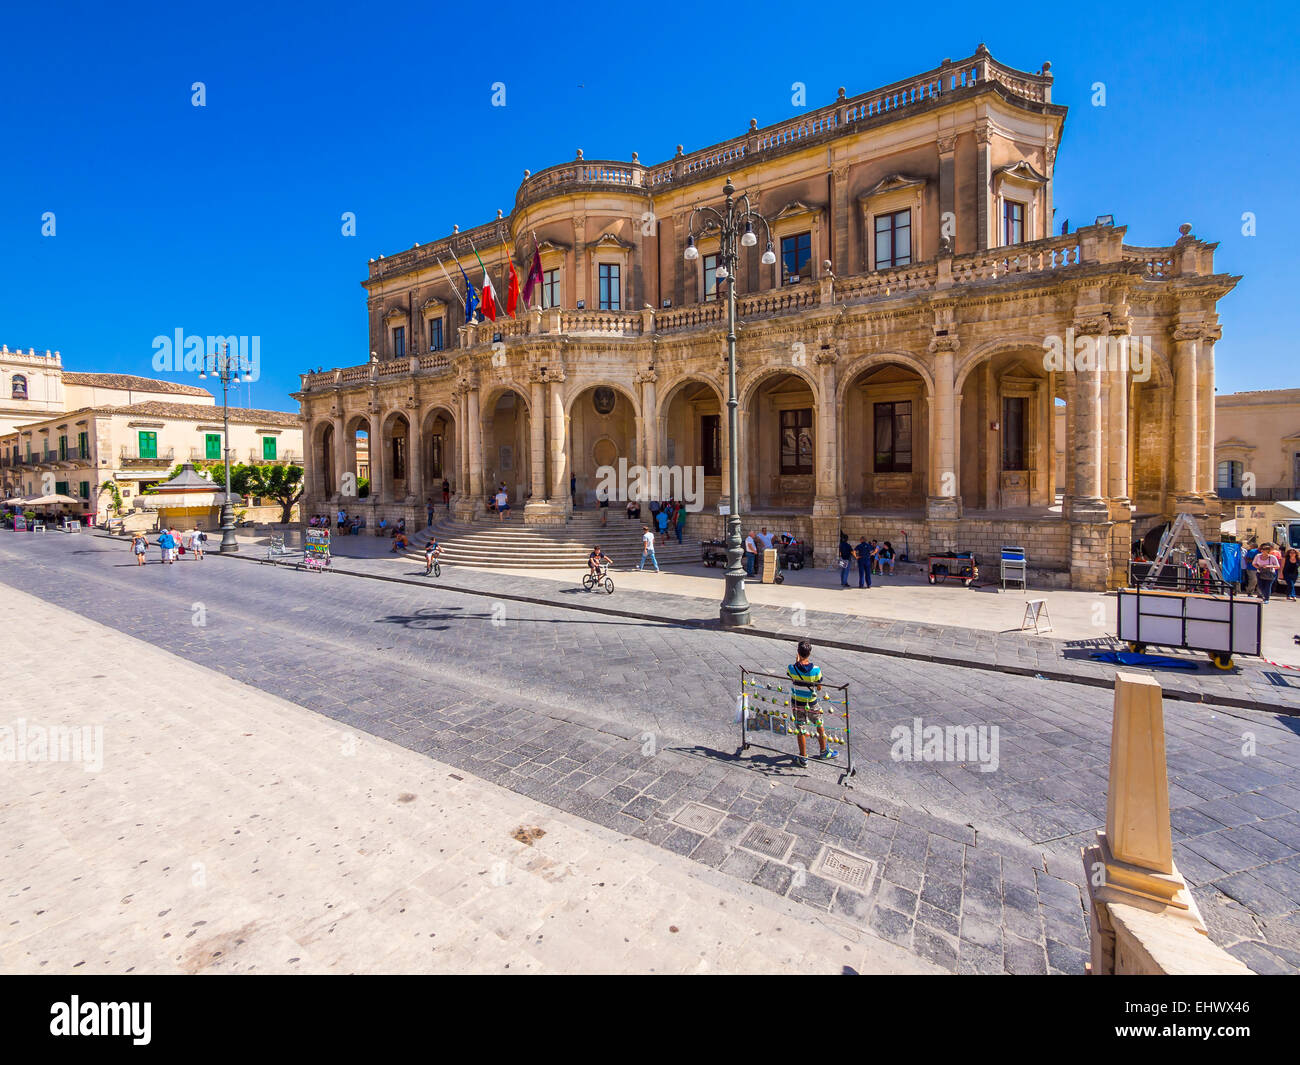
(226,218)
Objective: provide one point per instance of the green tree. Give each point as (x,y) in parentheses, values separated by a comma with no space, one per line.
(281,483)
(113,488)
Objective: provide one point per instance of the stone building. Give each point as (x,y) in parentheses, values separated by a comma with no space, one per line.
(899,366)
(1257,446)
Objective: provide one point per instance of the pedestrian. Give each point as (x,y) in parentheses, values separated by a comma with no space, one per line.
(1291,571)
(138,547)
(647,548)
(187,542)
(343,517)
(765,538)
(446,493)
(680,523)
(602,497)
(1267,564)
(1250,579)
(167,544)
(662,521)
(846,559)
(200,540)
(573,489)
(502,503)
(806,681)
(428,511)
(751,554)
(864,553)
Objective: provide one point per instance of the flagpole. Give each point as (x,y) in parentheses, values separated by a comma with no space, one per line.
(450,281)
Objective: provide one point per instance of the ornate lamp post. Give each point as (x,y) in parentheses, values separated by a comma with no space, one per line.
(736,222)
(228,371)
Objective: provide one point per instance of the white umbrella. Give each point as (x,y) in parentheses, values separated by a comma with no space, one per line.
(17,501)
(51,500)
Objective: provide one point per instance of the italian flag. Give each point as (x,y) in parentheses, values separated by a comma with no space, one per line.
(489,304)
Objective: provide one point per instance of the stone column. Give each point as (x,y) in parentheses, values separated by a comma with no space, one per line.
(537,437)
(982,186)
(943,502)
(649,419)
(375,444)
(827,510)
(340,454)
(559,459)
(1090,527)
(475,423)
(1186,431)
(1087,435)
(947,144)
(1208,485)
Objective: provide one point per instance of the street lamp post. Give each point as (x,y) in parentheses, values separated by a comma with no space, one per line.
(736,224)
(228,371)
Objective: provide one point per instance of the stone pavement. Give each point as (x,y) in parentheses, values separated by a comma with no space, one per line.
(230,831)
(629,723)
(1251,684)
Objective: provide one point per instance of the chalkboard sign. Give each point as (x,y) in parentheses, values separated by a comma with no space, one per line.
(20,523)
(316,548)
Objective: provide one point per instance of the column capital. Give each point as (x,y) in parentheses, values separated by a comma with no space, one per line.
(646,377)
(947,143)
(949,343)
(1188,331)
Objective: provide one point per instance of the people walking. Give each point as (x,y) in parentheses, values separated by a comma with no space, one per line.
(845,560)
(751,554)
(167,544)
(139,545)
(1291,571)
(428,511)
(1267,564)
(446,493)
(200,541)
(647,549)
(1249,577)
(680,523)
(502,503)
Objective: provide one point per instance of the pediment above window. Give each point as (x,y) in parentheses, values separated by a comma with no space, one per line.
(894,183)
(1021,171)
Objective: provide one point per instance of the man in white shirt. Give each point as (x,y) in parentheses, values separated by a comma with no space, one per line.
(503,503)
(647,548)
(751,554)
(766,538)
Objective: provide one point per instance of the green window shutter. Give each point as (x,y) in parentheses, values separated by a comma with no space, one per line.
(61,488)
(85,489)
(83,445)
(213,446)
(63,448)
(268,448)
(148,445)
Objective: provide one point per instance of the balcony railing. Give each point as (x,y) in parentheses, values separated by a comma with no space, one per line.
(1087,247)
(256,458)
(129,457)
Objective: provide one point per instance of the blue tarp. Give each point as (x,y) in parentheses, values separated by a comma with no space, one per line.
(1230,562)
(1132,658)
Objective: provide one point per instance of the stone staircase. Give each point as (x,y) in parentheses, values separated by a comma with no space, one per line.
(491,544)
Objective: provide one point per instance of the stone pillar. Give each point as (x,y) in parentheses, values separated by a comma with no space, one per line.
(1117,488)
(474,420)
(1206,466)
(943,495)
(1090,525)
(375,444)
(340,454)
(1186,431)
(947,189)
(537,438)
(983,186)
(827,508)
(1087,434)
(559,460)
(649,419)
(1142,917)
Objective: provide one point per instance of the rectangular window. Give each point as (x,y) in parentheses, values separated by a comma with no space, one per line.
(435,460)
(212,446)
(551,289)
(796,441)
(61,488)
(1013,222)
(893,239)
(399,342)
(435,334)
(611,298)
(63,448)
(1014,436)
(148,445)
(796,250)
(268,448)
(83,445)
(893,437)
(710,277)
(711,430)
(85,489)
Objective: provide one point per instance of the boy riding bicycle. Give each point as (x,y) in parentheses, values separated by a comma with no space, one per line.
(431,552)
(597,562)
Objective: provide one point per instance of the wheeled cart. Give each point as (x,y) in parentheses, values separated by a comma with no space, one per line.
(957,565)
(1220,625)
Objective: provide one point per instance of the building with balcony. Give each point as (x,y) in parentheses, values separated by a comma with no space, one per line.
(1257,445)
(899,365)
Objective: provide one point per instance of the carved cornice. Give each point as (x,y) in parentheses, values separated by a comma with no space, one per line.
(948,343)
(1188,331)
(643,377)
(947,143)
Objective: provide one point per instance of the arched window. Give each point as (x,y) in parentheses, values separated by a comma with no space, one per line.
(1228,479)
(19,387)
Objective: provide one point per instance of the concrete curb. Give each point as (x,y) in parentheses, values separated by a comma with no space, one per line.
(1225,700)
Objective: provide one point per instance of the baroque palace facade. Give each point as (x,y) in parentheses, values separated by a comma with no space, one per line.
(892,365)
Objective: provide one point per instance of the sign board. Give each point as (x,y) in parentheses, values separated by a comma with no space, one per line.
(20,523)
(724,509)
(316,548)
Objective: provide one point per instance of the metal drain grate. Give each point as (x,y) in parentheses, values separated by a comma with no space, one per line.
(769,841)
(849,869)
(699,817)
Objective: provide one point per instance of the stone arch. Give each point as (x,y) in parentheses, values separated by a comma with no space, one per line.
(440,450)
(324,445)
(619,433)
(892,473)
(394,457)
(745,389)
(357,460)
(990,349)
(507,439)
(577,390)
(852,370)
(692,418)
(781,422)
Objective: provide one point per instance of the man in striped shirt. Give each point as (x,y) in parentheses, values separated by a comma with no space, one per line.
(806,681)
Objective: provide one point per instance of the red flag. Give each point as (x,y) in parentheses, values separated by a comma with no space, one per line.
(534,275)
(512,294)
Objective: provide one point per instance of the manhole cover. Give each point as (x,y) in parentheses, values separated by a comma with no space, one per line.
(770,841)
(701,818)
(847,868)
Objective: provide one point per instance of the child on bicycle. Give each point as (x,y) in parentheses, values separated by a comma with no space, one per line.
(431,552)
(806,681)
(597,561)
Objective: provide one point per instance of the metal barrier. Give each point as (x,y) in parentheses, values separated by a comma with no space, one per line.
(775,712)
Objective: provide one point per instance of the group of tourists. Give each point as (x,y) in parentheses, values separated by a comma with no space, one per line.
(350,526)
(868,556)
(1267,565)
(172,544)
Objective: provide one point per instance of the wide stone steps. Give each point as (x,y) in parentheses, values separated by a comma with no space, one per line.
(492,544)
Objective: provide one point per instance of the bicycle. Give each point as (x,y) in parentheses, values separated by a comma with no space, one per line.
(596,580)
(433,566)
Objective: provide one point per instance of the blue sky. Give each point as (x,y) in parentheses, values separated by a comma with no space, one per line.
(226,218)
